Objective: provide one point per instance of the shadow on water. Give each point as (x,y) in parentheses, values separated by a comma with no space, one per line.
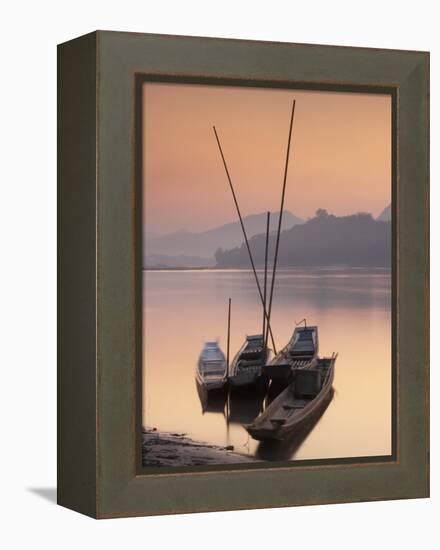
(286,449)
(245,405)
(212,402)
(240,406)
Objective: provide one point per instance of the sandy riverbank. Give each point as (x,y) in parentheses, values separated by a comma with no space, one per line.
(175,449)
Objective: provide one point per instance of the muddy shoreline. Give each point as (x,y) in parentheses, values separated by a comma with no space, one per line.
(176,449)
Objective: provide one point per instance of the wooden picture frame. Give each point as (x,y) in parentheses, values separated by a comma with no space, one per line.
(99,337)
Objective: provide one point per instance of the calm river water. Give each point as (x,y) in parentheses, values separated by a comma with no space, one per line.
(352,309)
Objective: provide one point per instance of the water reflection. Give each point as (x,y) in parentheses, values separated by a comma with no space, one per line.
(213,401)
(352,308)
(244,405)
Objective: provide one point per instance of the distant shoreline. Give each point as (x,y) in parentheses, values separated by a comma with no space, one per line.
(280,269)
(183,268)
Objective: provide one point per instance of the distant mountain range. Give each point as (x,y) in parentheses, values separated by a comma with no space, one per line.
(385,215)
(325,240)
(197,249)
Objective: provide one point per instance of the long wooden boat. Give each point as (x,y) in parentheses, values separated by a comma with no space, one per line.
(296,404)
(276,450)
(247,366)
(211,370)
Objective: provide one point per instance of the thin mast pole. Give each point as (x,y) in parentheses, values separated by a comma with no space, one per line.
(228,387)
(280,218)
(229,337)
(245,236)
(265,280)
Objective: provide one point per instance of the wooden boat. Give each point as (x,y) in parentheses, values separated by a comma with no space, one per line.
(301,349)
(300,352)
(247,366)
(286,449)
(211,370)
(304,397)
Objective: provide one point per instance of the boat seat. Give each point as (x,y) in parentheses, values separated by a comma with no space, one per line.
(249,363)
(249,355)
(302,350)
(297,405)
(278,420)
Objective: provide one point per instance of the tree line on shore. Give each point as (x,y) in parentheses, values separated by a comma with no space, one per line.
(357,240)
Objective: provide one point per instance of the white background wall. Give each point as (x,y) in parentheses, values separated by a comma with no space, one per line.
(29,34)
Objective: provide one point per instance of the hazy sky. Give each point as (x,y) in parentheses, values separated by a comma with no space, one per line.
(340,154)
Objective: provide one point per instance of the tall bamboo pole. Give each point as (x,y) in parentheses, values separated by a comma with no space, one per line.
(245,236)
(266,251)
(229,337)
(280,219)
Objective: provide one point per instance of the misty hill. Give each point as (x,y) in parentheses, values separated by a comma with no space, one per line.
(203,245)
(325,240)
(385,216)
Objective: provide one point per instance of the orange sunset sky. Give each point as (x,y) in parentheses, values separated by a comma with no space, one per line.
(340,153)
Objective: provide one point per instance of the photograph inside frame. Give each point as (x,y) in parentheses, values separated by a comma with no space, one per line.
(266,274)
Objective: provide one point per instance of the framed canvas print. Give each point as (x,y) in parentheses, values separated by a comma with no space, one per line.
(243,274)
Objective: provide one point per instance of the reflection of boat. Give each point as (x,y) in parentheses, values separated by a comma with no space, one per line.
(211,371)
(247,365)
(304,397)
(212,401)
